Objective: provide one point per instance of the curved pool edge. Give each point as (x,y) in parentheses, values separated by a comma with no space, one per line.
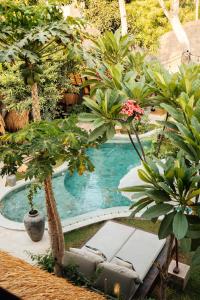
(81,220)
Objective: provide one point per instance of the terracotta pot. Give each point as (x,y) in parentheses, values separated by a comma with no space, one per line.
(34,223)
(15,120)
(70,99)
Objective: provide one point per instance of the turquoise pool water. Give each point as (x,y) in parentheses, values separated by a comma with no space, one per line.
(76,195)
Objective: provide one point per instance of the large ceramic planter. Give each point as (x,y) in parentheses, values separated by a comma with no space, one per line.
(34,223)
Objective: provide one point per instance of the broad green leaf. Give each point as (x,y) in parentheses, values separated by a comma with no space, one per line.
(157,211)
(144,176)
(157,195)
(97,132)
(166,226)
(137,188)
(180,225)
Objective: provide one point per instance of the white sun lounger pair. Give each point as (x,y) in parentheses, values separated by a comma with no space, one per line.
(122,254)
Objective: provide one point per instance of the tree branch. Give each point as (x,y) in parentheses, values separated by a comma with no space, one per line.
(174,10)
(163,6)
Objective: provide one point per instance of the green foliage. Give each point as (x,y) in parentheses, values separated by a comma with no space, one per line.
(33,188)
(35,43)
(72,273)
(54,81)
(146,20)
(186,124)
(19,15)
(46,142)
(170,189)
(112,48)
(103,114)
(168,87)
(103,14)
(15,94)
(44,261)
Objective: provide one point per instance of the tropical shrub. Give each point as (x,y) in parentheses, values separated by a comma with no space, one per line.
(44,261)
(103,19)
(169,191)
(34,43)
(15,94)
(146,20)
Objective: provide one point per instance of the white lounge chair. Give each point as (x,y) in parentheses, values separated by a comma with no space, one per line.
(123,254)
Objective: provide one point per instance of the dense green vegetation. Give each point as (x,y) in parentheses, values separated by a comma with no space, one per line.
(146,20)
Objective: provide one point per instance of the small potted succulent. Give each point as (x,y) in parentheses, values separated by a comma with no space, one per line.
(34,222)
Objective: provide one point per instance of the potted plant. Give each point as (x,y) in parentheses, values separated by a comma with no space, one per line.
(71,95)
(15,98)
(34,222)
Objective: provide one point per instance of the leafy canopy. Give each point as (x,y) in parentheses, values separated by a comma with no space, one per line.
(45,143)
(170,187)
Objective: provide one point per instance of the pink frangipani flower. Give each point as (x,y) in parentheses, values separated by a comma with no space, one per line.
(131,109)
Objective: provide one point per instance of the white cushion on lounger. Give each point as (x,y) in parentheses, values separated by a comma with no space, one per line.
(83,252)
(86,263)
(110,238)
(141,250)
(120,262)
(112,276)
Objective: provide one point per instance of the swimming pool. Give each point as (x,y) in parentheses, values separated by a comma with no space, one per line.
(77,195)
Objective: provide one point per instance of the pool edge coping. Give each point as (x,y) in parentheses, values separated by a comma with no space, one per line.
(104,214)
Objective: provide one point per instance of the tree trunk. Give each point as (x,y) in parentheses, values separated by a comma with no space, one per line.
(164,269)
(197,10)
(173,17)
(122,10)
(2,125)
(55,227)
(180,33)
(35,103)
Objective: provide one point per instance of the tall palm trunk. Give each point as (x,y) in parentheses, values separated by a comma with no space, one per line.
(35,102)
(122,10)
(55,227)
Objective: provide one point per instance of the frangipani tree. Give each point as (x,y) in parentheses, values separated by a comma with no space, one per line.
(45,143)
(111,109)
(169,191)
(32,43)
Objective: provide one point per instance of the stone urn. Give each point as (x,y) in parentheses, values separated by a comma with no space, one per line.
(34,224)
